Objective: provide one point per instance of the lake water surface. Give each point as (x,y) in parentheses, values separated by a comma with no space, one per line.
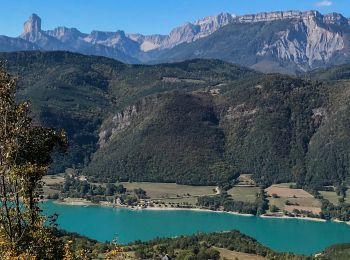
(104,224)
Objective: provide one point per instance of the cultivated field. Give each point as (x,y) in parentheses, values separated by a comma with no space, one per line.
(331,196)
(286,192)
(53,179)
(182,201)
(300,199)
(233,255)
(170,190)
(246,194)
(50,181)
(314,210)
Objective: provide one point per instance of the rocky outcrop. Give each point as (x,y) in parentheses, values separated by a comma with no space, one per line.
(32,33)
(148,42)
(65,34)
(274,16)
(32,28)
(240,111)
(199,29)
(120,121)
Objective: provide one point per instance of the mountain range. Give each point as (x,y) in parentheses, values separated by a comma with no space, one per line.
(288,42)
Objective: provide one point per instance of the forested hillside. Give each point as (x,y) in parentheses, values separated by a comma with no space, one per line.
(195,122)
(77,92)
(204,246)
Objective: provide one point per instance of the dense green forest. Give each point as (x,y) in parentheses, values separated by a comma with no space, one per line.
(195,122)
(197,246)
(338,252)
(200,246)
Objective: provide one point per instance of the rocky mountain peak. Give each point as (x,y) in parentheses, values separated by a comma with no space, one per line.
(210,24)
(32,25)
(220,19)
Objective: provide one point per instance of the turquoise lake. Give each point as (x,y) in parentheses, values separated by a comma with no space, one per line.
(103,224)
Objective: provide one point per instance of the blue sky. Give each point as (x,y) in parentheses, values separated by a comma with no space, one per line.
(143,16)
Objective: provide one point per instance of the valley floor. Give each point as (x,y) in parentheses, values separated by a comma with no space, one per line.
(170,196)
(83,202)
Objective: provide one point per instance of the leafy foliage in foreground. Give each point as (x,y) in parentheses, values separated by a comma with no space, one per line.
(25,154)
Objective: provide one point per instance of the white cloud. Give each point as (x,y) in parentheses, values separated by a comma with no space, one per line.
(325,3)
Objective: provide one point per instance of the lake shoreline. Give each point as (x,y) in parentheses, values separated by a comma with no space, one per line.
(86,203)
(289,217)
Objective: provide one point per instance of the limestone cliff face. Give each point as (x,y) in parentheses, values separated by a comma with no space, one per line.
(32,28)
(332,18)
(274,16)
(65,34)
(309,42)
(33,33)
(148,42)
(120,121)
(188,32)
(305,46)
(196,30)
(286,42)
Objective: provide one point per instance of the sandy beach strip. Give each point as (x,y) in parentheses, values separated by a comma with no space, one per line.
(288,217)
(196,209)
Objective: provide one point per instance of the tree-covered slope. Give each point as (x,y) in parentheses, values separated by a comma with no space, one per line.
(269,124)
(194,122)
(336,252)
(258,125)
(329,155)
(77,92)
(198,246)
(203,246)
(172,138)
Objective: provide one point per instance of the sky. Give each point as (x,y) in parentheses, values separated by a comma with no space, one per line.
(142,16)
